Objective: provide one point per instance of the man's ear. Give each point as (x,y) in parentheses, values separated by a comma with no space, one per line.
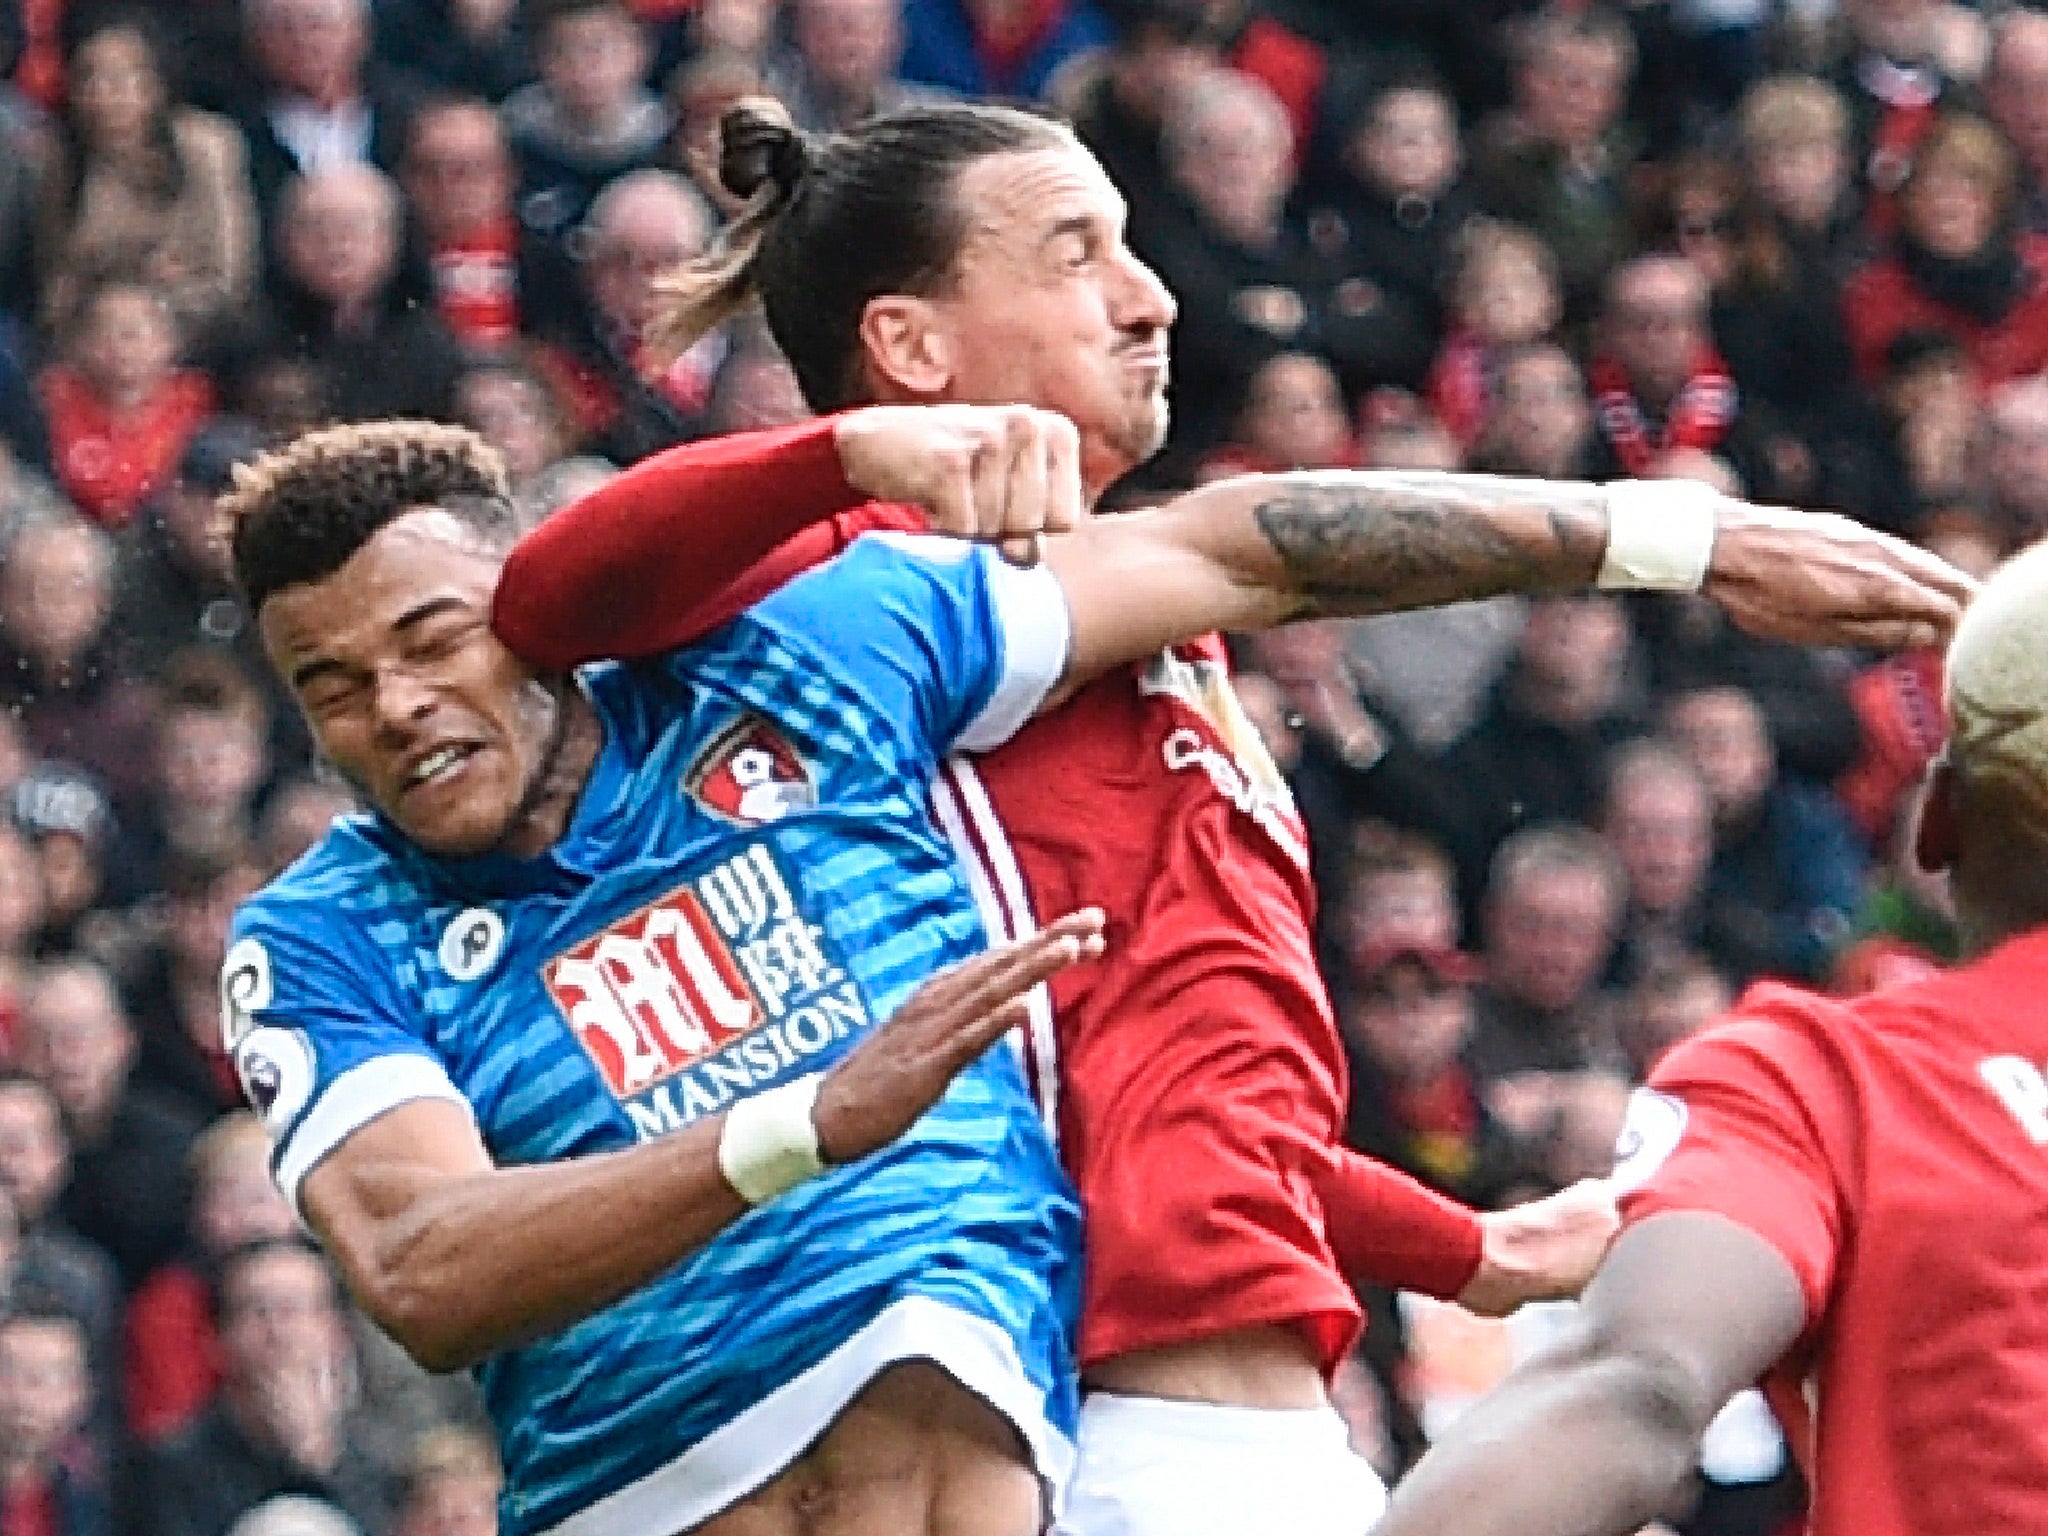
(906,347)
(1939,841)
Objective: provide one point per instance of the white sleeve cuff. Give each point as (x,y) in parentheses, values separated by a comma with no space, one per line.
(1031,614)
(352,1101)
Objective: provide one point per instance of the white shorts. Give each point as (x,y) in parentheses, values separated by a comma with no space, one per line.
(1150,1467)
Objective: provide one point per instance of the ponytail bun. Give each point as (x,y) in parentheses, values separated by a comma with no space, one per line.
(760,146)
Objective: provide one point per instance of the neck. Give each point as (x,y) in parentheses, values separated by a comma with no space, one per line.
(565,770)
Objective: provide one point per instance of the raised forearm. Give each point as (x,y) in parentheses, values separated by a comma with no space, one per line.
(627,569)
(1370,542)
(1578,1443)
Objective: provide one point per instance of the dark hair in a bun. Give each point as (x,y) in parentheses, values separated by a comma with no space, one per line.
(835,221)
(760,145)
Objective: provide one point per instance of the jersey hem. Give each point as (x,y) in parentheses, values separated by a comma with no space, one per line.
(738,1458)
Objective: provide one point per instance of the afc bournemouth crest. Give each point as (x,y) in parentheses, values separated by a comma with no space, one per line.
(750,775)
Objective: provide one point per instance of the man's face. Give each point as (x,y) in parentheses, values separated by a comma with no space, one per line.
(304,45)
(1410,148)
(1238,167)
(646,233)
(341,237)
(1548,936)
(280,1311)
(458,173)
(1901,28)
(1295,414)
(1656,326)
(407,691)
(1573,650)
(1723,732)
(592,62)
(78,1042)
(1662,831)
(42,1388)
(128,343)
(1571,91)
(513,419)
(1801,179)
(850,45)
(1543,416)
(210,757)
(34,1158)
(1050,307)
(54,591)
(2018,458)
(1411,1025)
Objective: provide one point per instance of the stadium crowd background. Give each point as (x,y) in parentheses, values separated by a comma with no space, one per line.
(1797,248)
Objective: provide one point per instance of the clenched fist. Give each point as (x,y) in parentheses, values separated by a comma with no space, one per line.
(999,473)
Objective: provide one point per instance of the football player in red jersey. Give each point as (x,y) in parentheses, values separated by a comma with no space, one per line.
(1198,1085)
(1846,1199)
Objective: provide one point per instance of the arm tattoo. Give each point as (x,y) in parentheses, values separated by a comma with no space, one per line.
(1369,543)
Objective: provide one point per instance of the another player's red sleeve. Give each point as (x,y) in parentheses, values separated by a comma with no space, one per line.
(1389,1229)
(636,567)
(1739,1121)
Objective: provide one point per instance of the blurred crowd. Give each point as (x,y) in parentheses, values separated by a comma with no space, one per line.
(1797,248)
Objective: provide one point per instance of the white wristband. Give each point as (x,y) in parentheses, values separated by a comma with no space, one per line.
(1660,535)
(769,1143)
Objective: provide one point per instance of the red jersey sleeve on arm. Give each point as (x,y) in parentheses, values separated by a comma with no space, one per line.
(612,574)
(1736,1122)
(1389,1229)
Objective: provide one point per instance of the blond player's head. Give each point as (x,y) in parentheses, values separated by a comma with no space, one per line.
(1988,814)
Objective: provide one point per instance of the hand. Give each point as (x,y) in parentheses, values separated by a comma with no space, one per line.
(903,1068)
(1543,1251)
(1001,473)
(1817,579)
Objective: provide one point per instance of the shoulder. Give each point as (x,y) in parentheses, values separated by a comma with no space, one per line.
(335,908)
(206,138)
(1773,1028)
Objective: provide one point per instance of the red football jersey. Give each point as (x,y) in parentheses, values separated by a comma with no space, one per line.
(1150,795)
(1895,1150)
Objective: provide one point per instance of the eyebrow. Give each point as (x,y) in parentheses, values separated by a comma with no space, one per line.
(413,617)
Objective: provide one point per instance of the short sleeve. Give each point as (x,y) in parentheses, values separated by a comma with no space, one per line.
(317,1036)
(942,634)
(1735,1122)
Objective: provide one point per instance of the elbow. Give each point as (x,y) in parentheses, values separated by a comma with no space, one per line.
(519,610)
(419,1304)
(428,1325)
(1664,1405)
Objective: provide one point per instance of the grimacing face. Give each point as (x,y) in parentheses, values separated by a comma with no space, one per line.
(407,691)
(1049,307)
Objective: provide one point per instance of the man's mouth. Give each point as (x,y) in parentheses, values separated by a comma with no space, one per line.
(438,764)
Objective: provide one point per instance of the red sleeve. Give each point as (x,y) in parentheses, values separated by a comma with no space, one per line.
(625,570)
(1737,1121)
(1389,1229)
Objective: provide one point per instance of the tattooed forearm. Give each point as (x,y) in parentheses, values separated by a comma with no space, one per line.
(1367,543)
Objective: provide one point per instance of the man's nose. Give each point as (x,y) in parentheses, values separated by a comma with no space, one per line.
(404,701)
(1146,302)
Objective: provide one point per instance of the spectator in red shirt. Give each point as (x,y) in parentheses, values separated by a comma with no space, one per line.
(1959,262)
(48,1486)
(490,278)
(172,1364)
(120,408)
